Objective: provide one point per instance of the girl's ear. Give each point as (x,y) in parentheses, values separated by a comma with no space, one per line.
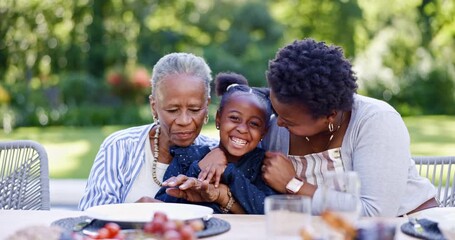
(218,119)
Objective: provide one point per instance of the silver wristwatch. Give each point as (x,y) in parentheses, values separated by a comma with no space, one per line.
(294,185)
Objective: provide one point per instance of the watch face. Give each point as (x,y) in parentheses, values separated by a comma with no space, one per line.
(294,185)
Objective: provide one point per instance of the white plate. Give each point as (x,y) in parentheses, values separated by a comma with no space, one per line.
(143,212)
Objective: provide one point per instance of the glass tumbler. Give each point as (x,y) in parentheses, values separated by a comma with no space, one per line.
(288,216)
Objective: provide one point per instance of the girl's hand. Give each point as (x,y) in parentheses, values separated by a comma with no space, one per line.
(277,171)
(212,166)
(191,189)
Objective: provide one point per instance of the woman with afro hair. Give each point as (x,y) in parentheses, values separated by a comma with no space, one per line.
(322,124)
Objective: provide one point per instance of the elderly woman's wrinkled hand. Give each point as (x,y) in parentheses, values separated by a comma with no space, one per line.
(191,189)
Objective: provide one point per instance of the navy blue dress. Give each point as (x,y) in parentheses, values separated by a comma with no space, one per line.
(243,178)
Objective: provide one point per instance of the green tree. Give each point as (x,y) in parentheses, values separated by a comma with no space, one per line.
(335,22)
(408,61)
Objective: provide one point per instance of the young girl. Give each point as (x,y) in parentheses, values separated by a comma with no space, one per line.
(242,119)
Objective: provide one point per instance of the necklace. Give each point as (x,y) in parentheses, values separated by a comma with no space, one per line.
(156,154)
(331,136)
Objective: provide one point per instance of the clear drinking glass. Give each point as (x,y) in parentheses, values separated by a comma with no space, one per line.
(287,216)
(342,195)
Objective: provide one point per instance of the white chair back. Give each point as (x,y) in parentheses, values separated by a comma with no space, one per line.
(24,176)
(440,170)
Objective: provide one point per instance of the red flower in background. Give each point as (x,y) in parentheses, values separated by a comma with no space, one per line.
(130,86)
(141,78)
(114,78)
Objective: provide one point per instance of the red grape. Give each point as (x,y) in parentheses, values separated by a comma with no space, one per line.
(187,233)
(172,235)
(160,215)
(156,226)
(162,227)
(113,229)
(103,233)
(170,225)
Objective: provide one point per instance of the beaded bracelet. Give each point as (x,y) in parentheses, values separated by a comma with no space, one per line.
(229,204)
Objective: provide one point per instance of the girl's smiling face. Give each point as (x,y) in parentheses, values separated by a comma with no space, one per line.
(242,123)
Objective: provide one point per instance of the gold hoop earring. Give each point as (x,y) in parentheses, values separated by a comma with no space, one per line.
(331,129)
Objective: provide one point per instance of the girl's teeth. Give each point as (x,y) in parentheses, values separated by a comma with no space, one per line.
(238,141)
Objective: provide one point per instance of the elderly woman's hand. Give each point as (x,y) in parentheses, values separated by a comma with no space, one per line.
(213,166)
(277,171)
(191,189)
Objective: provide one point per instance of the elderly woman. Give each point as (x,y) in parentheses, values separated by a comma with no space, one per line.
(325,126)
(130,164)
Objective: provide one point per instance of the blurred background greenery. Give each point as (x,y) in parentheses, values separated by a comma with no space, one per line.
(77,70)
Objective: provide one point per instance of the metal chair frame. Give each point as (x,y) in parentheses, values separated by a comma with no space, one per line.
(440,170)
(24,176)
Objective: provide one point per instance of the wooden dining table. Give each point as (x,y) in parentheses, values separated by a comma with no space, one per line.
(241,226)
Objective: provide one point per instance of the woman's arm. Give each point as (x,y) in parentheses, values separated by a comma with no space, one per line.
(381,157)
(227,201)
(379,153)
(102,185)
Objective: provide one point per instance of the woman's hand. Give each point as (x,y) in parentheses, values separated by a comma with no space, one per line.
(277,171)
(191,189)
(212,166)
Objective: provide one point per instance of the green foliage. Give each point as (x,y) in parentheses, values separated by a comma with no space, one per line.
(431,93)
(95,115)
(407,64)
(334,22)
(81,88)
(426,87)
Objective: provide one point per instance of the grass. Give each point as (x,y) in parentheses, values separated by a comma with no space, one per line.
(71,150)
(432,135)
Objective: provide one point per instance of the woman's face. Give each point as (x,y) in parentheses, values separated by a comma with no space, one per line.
(298,119)
(181,106)
(242,125)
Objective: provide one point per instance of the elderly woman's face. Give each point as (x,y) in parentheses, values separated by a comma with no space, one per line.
(297,119)
(181,105)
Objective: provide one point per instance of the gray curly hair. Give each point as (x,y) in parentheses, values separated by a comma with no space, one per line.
(179,63)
